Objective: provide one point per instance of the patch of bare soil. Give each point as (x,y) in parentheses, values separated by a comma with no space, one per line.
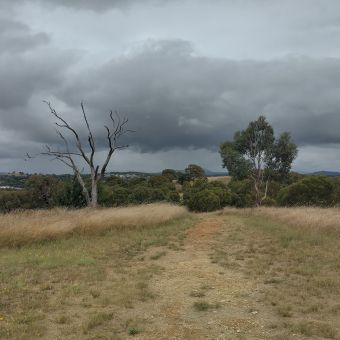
(198,299)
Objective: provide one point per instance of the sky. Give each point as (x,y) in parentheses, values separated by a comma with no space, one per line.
(187,74)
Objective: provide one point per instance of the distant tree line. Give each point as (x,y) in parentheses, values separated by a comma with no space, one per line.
(197,193)
(258,163)
(44,192)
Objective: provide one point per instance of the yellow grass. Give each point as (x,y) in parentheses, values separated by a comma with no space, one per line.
(21,228)
(318,219)
(223,179)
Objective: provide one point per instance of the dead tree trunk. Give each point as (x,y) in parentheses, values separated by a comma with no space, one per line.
(67,156)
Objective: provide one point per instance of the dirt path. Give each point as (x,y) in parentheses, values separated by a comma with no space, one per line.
(190,277)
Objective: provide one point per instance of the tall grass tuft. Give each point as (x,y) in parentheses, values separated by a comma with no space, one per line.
(20,228)
(312,218)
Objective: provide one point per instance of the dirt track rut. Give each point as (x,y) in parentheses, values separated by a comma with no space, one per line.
(190,272)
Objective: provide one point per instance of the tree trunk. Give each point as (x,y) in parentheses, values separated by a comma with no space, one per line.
(94,194)
(257,194)
(84,189)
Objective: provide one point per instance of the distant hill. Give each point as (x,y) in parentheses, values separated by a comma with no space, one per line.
(131,174)
(13,181)
(215,173)
(325,173)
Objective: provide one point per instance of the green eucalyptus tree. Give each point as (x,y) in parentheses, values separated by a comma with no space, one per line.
(255,153)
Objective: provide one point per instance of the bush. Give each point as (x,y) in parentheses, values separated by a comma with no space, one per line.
(171,174)
(44,191)
(313,190)
(118,191)
(71,194)
(204,201)
(14,199)
(156,195)
(174,197)
(139,194)
(120,196)
(241,193)
(105,195)
(223,195)
(159,181)
(219,189)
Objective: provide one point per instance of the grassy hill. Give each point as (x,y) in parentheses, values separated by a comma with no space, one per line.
(158,272)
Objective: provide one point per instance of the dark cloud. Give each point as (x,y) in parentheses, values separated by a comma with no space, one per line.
(30,70)
(28,75)
(16,37)
(99,6)
(176,99)
(176,95)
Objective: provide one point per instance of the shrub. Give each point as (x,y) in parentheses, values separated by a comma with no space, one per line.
(171,174)
(204,201)
(159,181)
(174,197)
(44,191)
(105,195)
(120,196)
(156,195)
(14,199)
(313,190)
(139,194)
(241,193)
(219,189)
(223,195)
(269,202)
(71,194)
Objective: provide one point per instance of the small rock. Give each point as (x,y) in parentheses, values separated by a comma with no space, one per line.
(254,312)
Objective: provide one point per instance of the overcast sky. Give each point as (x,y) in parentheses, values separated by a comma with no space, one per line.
(187,73)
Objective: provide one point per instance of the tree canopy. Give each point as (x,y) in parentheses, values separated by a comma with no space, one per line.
(256,154)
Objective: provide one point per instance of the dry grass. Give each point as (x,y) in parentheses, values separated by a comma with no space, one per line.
(294,253)
(223,179)
(26,227)
(90,286)
(315,219)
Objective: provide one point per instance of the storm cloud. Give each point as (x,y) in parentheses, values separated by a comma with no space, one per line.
(182,93)
(97,6)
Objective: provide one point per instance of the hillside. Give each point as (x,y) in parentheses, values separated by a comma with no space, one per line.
(235,274)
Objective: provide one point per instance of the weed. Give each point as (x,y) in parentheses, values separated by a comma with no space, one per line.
(158,255)
(285,311)
(96,320)
(197,293)
(204,306)
(95,293)
(62,319)
(310,328)
(134,331)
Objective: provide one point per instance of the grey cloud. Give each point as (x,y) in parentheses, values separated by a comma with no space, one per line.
(27,75)
(176,99)
(180,100)
(16,37)
(27,71)
(98,6)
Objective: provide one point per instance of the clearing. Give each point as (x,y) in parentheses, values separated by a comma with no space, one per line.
(237,274)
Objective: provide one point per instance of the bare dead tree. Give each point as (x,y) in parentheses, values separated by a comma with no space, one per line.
(114,132)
